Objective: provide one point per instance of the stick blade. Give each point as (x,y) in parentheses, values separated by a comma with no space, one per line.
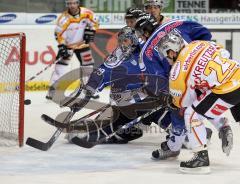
(53,122)
(37,144)
(82,143)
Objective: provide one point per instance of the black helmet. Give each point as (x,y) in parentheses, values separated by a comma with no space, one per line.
(133,13)
(146,23)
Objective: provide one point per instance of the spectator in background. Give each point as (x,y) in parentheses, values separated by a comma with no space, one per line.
(155,7)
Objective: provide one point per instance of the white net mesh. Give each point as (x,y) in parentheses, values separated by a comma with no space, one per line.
(10,54)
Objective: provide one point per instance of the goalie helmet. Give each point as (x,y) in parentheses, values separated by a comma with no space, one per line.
(146,23)
(133,13)
(172,41)
(159,3)
(127,34)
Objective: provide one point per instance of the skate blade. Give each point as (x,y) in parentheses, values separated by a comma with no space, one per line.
(198,170)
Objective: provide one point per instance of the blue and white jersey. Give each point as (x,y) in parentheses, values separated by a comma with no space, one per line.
(122,74)
(155,66)
(151,62)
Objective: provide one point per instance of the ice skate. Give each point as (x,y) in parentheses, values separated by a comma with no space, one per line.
(199,164)
(164,152)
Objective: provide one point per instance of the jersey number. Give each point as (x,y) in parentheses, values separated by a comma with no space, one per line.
(214,65)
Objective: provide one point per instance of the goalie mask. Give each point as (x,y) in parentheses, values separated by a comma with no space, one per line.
(127,40)
(172,41)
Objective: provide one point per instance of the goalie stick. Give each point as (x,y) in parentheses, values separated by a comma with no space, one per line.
(72,125)
(85,144)
(44,146)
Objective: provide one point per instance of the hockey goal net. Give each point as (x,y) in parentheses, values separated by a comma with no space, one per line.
(12,81)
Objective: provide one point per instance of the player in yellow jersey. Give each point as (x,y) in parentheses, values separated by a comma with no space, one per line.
(154,8)
(204,67)
(74,31)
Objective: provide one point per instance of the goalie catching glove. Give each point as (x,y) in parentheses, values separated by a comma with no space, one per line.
(89,35)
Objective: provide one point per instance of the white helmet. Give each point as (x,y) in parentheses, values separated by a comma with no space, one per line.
(68,1)
(159,3)
(172,41)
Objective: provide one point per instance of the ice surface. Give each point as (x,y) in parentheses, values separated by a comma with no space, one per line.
(105,164)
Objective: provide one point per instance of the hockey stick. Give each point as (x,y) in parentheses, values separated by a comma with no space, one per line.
(67,101)
(45,146)
(43,70)
(85,144)
(70,46)
(72,125)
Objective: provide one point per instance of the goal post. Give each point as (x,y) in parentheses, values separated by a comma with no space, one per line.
(12,88)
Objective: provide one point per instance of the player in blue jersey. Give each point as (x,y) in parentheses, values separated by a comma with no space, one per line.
(121,71)
(154,65)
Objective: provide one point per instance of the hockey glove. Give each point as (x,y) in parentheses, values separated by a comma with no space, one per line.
(167,100)
(89,35)
(63,51)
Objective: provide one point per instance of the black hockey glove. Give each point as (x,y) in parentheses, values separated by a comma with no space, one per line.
(63,51)
(167,100)
(89,35)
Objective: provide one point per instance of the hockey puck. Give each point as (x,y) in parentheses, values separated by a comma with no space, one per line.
(27,102)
